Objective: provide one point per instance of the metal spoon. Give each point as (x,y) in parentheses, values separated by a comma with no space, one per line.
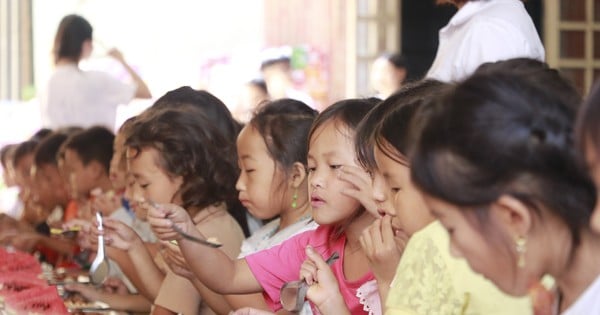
(100,267)
(185,235)
(293,294)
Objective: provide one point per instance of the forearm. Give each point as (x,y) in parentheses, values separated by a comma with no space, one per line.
(384,288)
(129,302)
(151,276)
(216,302)
(62,246)
(142,90)
(128,268)
(217,271)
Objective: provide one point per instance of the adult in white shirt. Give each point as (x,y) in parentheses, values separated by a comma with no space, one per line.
(484,31)
(84,98)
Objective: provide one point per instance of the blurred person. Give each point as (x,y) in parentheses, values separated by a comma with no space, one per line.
(84,98)
(9,200)
(388,73)
(277,73)
(252,96)
(483,31)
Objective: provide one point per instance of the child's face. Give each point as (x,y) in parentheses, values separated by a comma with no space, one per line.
(331,146)
(23,176)
(117,167)
(151,182)
(50,187)
(259,177)
(80,178)
(593,162)
(409,211)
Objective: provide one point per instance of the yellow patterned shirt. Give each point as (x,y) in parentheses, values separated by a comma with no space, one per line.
(430,281)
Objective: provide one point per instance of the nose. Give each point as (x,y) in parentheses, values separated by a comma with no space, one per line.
(315,179)
(240,184)
(378,193)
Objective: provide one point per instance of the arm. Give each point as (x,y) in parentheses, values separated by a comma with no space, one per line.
(383,250)
(323,288)
(118,298)
(212,266)
(119,235)
(142,90)
(129,269)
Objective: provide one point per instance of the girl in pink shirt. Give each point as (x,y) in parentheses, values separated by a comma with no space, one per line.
(341,218)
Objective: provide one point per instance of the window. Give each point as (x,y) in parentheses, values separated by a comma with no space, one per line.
(376,28)
(16,74)
(572,29)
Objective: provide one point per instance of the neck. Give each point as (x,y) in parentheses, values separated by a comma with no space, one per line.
(355,229)
(105,184)
(293,215)
(66,61)
(582,270)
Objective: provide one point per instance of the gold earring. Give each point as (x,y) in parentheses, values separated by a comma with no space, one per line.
(521,247)
(295,199)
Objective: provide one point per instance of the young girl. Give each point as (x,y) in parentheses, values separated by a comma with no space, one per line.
(172,157)
(341,221)
(497,165)
(272,152)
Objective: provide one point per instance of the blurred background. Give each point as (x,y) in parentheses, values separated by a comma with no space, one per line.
(219,45)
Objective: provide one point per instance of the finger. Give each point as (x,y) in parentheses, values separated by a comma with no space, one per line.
(375,231)
(308,272)
(387,232)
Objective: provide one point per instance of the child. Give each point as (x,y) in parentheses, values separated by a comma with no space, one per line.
(179,156)
(87,156)
(341,221)
(497,167)
(272,183)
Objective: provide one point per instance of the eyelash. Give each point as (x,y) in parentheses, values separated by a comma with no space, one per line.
(311,169)
(335,166)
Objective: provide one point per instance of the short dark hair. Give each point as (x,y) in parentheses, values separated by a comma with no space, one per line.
(284,126)
(23,149)
(41,134)
(7,152)
(72,32)
(92,144)
(502,133)
(396,59)
(283,61)
(349,112)
(365,139)
(211,106)
(47,151)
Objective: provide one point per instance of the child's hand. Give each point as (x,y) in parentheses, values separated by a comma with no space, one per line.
(106,203)
(173,257)
(362,187)
(85,238)
(542,299)
(115,53)
(115,286)
(382,248)
(164,216)
(323,290)
(118,235)
(89,292)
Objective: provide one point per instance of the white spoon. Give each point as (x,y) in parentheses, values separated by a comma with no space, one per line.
(100,267)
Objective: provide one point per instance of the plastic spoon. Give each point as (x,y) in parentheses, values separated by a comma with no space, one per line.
(100,267)
(293,293)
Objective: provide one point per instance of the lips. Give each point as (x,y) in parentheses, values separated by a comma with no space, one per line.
(316,201)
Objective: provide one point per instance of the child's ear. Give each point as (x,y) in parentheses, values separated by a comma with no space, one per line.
(298,175)
(97,169)
(513,214)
